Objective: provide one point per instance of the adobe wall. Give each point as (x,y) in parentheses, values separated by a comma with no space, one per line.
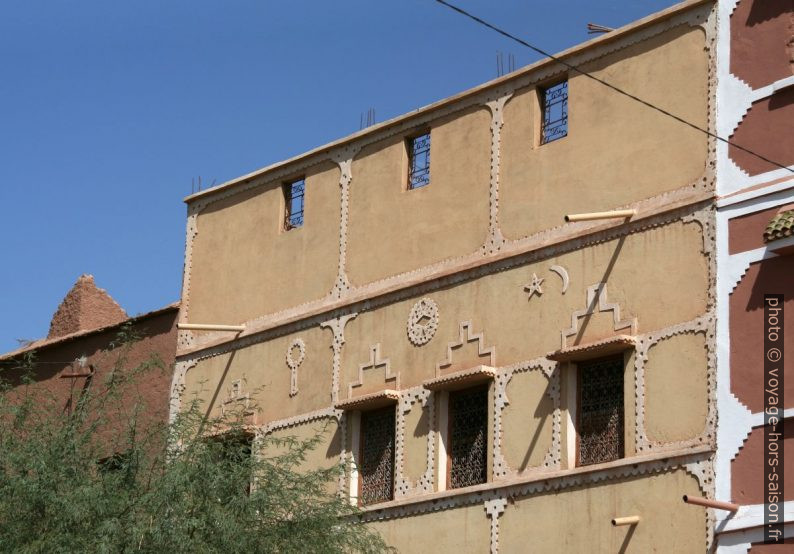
(494,190)
(150,389)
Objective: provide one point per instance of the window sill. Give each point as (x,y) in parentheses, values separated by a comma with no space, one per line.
(369,401)
(461,379)
(486,490)
(597,349)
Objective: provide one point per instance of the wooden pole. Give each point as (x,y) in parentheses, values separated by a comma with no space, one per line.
(628,520)
(708,503)
(615,214)
(209,327)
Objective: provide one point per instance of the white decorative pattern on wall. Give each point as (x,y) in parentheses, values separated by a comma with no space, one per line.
(422,321)
(465,336)
(294,362)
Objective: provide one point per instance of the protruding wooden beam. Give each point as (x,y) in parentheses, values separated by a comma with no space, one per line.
(210,327)
(708,503)
(614,214)
(627,520)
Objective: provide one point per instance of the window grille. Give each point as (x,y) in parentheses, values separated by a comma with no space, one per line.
(600,411)
(376,467)
(419,161)
(555,112)
(468,437)
(293,200)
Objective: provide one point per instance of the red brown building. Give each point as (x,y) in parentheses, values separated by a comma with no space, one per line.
(755,242)
(85,343)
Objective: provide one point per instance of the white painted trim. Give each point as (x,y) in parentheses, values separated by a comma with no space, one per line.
(443,439)
(767,197)
(731,426)
(738,264)
(781,84)
(739,542)
(355,446)
(751,516)
(758,417)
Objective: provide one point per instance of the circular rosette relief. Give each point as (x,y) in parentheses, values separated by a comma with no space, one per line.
(296,352)
(422,321)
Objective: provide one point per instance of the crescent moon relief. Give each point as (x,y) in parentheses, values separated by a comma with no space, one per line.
(563,273)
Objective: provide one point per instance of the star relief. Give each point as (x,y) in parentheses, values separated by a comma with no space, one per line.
(533,287)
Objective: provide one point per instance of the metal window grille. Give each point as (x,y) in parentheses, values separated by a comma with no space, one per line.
(555,112)
(376,467)
(293,196)
(419,161)
(468,437)
(600,411)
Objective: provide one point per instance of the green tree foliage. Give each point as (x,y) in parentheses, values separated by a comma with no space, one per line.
(100,478)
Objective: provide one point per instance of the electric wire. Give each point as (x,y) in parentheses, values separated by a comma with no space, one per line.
(609,85)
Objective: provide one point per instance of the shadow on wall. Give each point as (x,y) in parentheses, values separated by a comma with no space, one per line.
(763,10)
(774,277)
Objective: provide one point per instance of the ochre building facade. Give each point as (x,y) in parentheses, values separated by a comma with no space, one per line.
(498,378)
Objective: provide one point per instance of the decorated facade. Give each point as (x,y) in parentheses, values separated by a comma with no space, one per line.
(501,309)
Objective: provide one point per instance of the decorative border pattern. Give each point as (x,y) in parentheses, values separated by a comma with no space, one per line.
(495,239)
(552,459)
(494,508)
(404,487)
(704,324)
(337,326)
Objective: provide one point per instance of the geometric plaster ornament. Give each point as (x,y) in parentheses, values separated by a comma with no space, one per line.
(422,322)
(465,336)
(375,363)
(534,286)
(236,395)
(597,301)
(563,273)
(293,363)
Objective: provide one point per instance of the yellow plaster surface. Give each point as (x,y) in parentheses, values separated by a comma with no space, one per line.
(617,151)
(460,530)
(579,520)
(267,376)
(417,427)
(327,451)
(244,265)
(676,382)
(527,420)
(666,260)
(393,230)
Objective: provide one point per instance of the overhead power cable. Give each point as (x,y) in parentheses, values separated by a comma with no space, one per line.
(609,85)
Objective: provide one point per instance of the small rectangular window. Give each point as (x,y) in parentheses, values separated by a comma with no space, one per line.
(376,460)
(468,437)
(600,411)
(419,161)
(293,201)
(554,100)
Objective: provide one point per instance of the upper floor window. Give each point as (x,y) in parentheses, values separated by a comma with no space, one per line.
(419,161)
(600,411)
(468,437)
(294,192)
(554,100)
(376,459)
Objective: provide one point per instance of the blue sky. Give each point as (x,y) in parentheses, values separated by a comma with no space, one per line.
(109,109)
